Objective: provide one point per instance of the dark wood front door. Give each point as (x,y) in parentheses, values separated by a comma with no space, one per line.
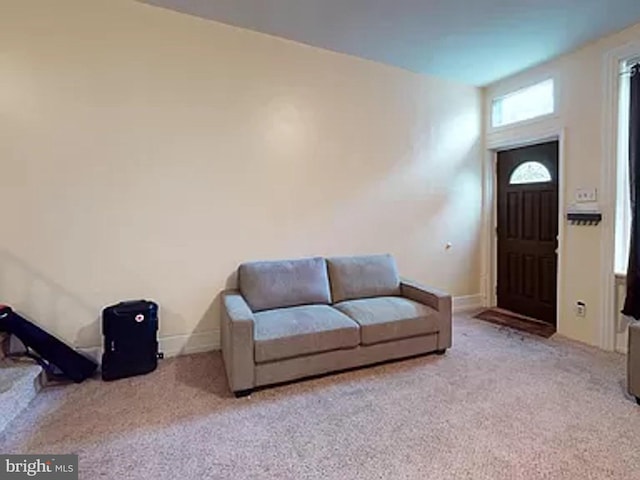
(528,230)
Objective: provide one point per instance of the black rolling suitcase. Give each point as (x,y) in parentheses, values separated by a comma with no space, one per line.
(130,332)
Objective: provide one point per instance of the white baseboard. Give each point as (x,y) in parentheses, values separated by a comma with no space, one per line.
(173,345)
(194,343)
(467,303)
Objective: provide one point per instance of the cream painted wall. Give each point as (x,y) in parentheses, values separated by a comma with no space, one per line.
(581,100)
(146,153)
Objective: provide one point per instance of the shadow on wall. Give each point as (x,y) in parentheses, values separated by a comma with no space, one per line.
(77,321)
(47,303)
(203,336)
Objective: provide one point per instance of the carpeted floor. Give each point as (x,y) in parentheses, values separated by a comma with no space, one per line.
(500,405)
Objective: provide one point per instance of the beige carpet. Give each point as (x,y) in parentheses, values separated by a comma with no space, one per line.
(499,405)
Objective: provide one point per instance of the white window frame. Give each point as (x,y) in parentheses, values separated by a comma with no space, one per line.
(517,91)
(623,205)
(610,322)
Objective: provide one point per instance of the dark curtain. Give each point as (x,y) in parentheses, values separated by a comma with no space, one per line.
(632,301)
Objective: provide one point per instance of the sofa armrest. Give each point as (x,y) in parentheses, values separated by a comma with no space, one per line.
(237,325)
(436,299)
(633,360)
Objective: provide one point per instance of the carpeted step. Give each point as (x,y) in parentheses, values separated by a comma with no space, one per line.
(19,384)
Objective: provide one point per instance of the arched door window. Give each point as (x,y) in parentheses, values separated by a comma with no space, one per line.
(530,172)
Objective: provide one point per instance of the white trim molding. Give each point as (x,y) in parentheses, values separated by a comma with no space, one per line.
(197,342)
(533,134)
(611,85)
(467,303)
(172,345)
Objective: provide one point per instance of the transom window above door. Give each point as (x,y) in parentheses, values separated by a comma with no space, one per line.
(530,172)
(525,104)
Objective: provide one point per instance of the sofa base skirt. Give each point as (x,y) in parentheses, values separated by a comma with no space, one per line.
(336,360)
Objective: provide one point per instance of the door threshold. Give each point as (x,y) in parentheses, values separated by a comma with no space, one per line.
(519,316)
(505,318)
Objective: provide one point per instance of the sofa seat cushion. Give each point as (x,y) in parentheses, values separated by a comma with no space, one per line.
(383,319)
(291,332)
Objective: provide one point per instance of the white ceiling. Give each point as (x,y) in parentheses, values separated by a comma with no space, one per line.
(473,41)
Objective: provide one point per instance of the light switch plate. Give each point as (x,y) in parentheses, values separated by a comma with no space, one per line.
(586,195)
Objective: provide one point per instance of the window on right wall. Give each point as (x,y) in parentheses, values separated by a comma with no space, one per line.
(525,104)
(623,203)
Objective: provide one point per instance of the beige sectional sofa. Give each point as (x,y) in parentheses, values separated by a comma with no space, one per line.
(297,318)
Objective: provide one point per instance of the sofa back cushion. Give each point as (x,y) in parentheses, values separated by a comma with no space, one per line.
(284,283)
(363,277)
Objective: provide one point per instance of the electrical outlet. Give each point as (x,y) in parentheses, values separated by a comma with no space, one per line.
(586,195)
(581,309)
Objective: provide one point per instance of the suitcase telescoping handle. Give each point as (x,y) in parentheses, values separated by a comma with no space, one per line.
(128,307)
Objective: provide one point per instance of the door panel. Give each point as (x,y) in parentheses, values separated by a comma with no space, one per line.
(529,276)
(527,233)
(513,207)
(547,269)
(531,214)
(548,223)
